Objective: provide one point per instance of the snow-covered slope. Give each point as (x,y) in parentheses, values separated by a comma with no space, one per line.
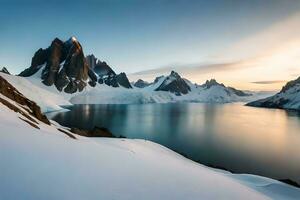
(47,100)
(287,98)
(46,164)
(42,160)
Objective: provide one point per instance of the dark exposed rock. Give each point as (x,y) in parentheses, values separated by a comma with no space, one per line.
(123,80)
(62,80)
(67,133)
(39,58)
(100,81)
(175,84)
(4,70)
(103,69)
(30,123)
(81,85)
(92,75)
(95,132)
(109,80)
(105,74)
(92,83)
(62,61)
(55,55)
(91,61)
(71,87)
(31,107)
(141,84)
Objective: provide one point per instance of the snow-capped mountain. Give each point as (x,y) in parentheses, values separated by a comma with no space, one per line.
(141,83)
(229,90)
(64,65)
(174,84)
(287,98)
(63,74)
(4,70)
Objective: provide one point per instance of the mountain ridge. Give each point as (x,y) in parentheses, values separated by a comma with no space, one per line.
(287,98)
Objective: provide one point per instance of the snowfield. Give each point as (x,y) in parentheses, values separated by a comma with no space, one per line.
(47,164)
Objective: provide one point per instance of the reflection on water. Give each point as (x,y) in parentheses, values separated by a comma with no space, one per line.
(239,138)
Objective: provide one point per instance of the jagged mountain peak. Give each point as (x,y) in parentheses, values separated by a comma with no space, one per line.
(104,74)
(174,84)
(211,82)
(63,65)
(141,83)
(4,70)
(158,78)
(229,90)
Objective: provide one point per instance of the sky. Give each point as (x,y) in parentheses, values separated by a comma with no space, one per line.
(250,44)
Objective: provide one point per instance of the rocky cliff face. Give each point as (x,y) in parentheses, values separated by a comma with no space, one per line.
(175,84)
(105,75)
(287,98)
(63,64)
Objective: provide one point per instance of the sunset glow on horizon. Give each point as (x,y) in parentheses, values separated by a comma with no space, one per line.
(251,45)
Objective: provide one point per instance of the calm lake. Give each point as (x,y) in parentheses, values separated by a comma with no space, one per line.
(236,137)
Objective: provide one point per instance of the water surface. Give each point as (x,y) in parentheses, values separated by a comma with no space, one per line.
(236,137)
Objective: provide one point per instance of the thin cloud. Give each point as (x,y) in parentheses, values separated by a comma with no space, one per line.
(192,68)
(269,82)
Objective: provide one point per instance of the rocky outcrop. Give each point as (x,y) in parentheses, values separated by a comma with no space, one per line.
(141,84)
(95,132)
(287,98)
(102,73)
(4,70)
(123,80)
(30,109)
(91,61)
(63,63)
(175,84)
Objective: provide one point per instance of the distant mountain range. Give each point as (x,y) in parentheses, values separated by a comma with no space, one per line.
(63,74)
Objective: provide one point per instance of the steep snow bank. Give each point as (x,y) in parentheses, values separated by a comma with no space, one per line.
(48,101)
